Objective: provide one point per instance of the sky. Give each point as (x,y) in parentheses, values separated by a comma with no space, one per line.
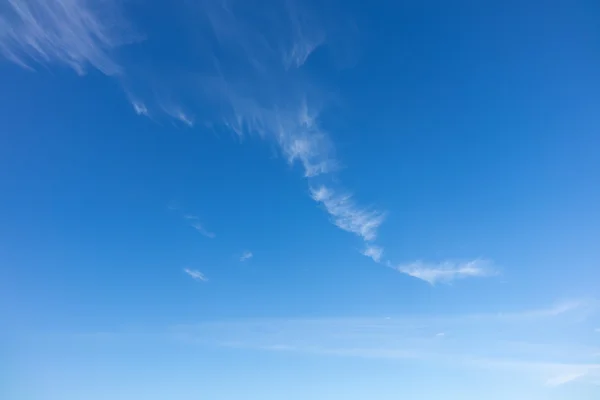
(289,199)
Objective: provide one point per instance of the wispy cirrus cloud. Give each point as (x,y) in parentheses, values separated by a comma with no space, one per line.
(193,220)
(285,116)
(197,225)
(246,255)
(200,228)
(75,33)
(347,215)
(177,114)
(196,275)
(374,252)
(531,346)
(578,308)
(261,89)
(244,72)
(542,352)
(563,308)
(447,271)
(572,374)
(140,108)
(186,119)
(551,374)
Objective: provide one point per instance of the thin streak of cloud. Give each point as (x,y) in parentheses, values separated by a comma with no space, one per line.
(197,225)
(308,36)
(347,215)
(561,308)
(246,256)
(140,108)
(299,53)
(571,308)
(447,271)
(261,90)
(550,373)
(186,119)
(67,32)
(293,126)
(181,116)
(580,309)
(509,344)
(374,252)
(196,275)
(566,378)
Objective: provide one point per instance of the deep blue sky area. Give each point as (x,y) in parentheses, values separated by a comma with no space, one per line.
(294,199)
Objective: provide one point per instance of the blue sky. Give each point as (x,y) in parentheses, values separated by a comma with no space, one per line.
(230,199)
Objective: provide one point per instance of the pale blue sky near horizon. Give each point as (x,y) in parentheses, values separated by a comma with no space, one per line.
(232,199)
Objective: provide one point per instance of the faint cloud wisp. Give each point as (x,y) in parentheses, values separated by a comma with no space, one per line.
(246,256)
(347,215)
(374,252)
(140,108)
(239,75)
(195,223)
(70,32)
(196,275)
(528,347)
(447,271)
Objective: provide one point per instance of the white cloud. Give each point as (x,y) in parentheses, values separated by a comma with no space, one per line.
(347,215)
(198,226)
(309,150)
(529,348)
(307,36)
(266,93)
(293,126)
(195,223)
(140,108)
(579,308)
(565,378)
(246,256)
(68,32)
(183,117)
(375,252)
(564,307)
(300,51)
(446,271)
(547,372)
(195,274)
